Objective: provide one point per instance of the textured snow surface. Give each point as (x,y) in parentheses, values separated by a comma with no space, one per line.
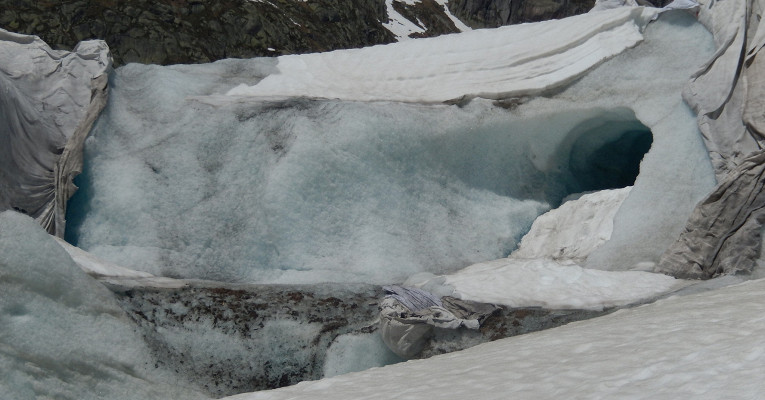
(62,334)
(491,63)
(703,346)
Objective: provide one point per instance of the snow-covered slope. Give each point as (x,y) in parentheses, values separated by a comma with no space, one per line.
(403,28)
(703,346)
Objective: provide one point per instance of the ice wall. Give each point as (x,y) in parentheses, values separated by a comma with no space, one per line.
(62,334)
(182,181)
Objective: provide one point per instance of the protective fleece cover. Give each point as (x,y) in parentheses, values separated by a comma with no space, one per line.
(49,100)
(722,235)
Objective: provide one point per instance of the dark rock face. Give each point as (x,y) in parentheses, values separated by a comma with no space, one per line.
(495,13)
(427,14)
(194,31)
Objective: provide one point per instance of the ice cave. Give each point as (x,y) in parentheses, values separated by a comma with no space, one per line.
(296,222)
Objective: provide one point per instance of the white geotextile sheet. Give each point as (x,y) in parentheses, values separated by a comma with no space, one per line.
(48,103)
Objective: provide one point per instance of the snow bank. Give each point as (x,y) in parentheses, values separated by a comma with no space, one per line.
(493,63)
(705,346)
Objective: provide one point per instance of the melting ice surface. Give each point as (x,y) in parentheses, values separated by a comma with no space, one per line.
(183,181)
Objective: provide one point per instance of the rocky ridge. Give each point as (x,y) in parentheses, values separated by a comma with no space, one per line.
(197,31)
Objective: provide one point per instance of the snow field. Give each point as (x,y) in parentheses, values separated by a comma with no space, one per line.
(702,346)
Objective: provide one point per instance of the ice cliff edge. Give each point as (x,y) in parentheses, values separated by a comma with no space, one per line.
(49,101)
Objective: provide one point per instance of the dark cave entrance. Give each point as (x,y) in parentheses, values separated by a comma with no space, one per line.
(608,155)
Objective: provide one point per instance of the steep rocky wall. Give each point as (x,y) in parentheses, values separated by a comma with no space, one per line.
(495,13)
(427,14)
(193,31)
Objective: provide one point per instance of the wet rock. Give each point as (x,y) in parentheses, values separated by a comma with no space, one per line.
(429,14)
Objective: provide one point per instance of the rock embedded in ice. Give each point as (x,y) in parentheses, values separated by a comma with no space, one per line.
(233,339)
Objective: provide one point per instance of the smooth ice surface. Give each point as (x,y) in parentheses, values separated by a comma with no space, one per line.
(703,346)
(180,183)
(62,334)
(490,63)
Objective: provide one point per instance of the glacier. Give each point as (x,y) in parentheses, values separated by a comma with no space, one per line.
(365,166)
(344,190)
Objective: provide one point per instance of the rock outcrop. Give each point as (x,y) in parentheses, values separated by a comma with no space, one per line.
(195,31)
(496,13)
